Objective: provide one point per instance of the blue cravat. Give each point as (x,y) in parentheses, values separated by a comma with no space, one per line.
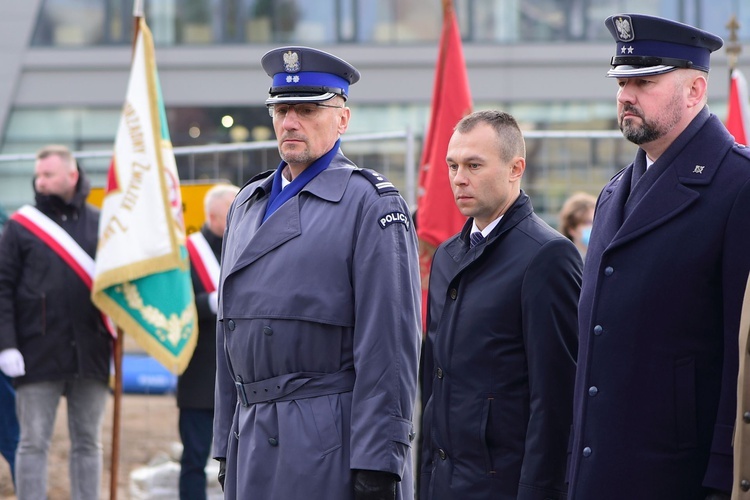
(278,196)
(476,238)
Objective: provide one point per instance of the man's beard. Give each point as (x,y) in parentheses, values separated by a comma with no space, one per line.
(640,135)
(650,131)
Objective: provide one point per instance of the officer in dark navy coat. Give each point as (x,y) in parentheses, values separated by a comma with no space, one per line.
(319,309)
(663,282)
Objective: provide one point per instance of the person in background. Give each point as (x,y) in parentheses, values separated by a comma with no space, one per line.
(319,309)
(53,340)
(576,219)
(9,431)
(666,267)
(741,487)
(195,387)
(499,357)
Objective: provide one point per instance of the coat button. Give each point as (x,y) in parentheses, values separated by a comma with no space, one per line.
(439,373)
(745,485)
(268,330)
(442,454)
(230,325)
(608,271)
(598,330)
(273,441)
(587,452)
(746,417)
(454,293)
(593,390)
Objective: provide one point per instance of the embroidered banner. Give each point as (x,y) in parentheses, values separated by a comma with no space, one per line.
(142,272)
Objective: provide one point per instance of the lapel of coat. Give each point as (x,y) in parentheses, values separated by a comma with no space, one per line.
(693,162)
(459,250)
(253,240)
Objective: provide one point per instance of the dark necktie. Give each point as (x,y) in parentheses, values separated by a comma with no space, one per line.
(476,238)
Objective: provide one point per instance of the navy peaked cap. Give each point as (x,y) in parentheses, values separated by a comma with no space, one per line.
(648,45)
(304,74)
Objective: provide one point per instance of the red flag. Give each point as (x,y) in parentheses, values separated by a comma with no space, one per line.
(738,114)
(438,217)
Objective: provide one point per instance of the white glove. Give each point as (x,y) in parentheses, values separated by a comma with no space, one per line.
(213,301)
(11,362)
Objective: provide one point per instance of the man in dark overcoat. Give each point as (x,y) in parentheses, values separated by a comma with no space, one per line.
(499,357)
(663,282)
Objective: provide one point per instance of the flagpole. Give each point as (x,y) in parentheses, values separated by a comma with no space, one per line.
(447,7)
(119,341)
(733,47)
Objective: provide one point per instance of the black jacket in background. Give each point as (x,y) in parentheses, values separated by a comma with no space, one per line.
(45,308)
(195,387)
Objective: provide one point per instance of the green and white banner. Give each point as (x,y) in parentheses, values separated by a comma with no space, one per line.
(142,273)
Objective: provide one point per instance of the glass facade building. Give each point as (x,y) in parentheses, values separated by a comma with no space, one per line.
(542,60)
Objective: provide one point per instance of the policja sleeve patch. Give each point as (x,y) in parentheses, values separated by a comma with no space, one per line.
(394,218)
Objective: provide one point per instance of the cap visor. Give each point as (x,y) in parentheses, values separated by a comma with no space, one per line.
(632,71)
(292,99)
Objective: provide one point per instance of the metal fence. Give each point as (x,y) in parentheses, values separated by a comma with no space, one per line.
(558,164)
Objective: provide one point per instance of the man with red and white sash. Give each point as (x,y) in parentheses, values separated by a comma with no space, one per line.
(53,340)
(195,387)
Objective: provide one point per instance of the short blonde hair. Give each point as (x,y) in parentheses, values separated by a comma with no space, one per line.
(57,150)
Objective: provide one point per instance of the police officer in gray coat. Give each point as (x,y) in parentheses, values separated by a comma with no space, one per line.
(662,290)
(319,309)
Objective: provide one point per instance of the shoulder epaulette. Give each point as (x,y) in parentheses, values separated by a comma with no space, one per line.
(381,184)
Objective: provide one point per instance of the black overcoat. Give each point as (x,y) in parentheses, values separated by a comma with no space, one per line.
(499,362)
(195,387)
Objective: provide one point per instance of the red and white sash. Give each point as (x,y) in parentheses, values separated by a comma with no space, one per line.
(204,261)
(63,245)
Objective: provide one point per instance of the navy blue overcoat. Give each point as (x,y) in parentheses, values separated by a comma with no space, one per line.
(658,321)
(499,363)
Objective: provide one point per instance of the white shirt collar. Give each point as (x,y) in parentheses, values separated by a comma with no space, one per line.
(487,230)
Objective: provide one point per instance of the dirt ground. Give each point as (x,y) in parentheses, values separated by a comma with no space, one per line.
(148,427)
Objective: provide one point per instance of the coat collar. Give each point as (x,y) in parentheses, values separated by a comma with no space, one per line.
(691,161)
(459,247)
(252,240)
(329,185)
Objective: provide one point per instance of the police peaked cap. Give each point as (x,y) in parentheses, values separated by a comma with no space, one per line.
(648,45)
(304,74)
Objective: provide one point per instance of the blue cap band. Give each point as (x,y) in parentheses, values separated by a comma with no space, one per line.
(310,79)
(700,57)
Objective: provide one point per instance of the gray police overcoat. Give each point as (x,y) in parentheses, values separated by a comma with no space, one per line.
(318,339)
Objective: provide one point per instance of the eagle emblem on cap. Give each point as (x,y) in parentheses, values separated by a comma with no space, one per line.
(624,27)
(291,61)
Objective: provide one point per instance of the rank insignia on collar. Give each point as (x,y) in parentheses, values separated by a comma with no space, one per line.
(291,61)
(698,169)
